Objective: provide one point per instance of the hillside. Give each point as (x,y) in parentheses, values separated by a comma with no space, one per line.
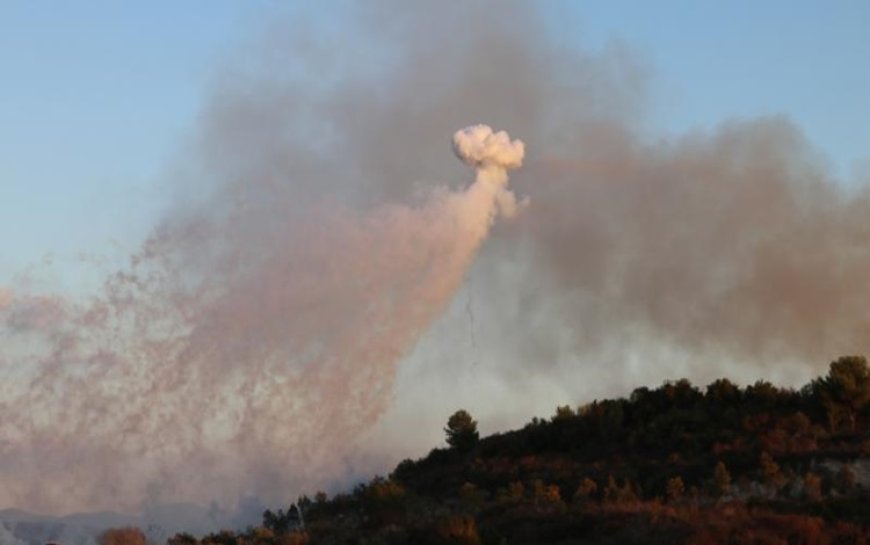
(673,464)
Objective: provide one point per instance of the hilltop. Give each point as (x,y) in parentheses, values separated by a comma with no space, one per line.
(672,464)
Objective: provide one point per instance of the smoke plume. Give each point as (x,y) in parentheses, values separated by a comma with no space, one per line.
(255,339)
(183,385)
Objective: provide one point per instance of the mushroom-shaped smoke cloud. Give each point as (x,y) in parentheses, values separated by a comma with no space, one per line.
(492,154)
(479,146)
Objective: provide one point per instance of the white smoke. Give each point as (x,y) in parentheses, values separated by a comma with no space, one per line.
(492,154)
(480,147)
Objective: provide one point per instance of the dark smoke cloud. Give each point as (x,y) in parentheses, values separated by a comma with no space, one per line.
(256,337)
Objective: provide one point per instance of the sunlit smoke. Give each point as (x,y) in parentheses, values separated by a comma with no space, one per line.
(483,149)
(492,155)
(5,297)
(251,379)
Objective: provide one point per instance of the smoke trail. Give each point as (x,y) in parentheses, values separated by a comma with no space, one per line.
(179,385)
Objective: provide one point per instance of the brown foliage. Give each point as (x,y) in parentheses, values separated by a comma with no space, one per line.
(735,524)
(293,538)
(770,471)
(812,487)
(722,479)
(122,536)
(675,489)
(458,529)
(585,490)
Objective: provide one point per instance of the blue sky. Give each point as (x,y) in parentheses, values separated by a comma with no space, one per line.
(96,97)
(713,60)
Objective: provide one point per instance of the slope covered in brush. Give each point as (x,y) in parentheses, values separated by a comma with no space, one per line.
(672,464)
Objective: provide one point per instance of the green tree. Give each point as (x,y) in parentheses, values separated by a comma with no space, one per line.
(182,539)
(224,537)
(723,391)
(461,431)
(563,412)
(845,391)
(762,395)
(281,522)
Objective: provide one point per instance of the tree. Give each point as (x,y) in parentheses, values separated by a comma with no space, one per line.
(543,494)
(611,491)
(461,431)
(516,490)
(122,536)
(563,412)
(762,395)
(472,497)
(585,490)
(513,493)
(460,529)
(183,538)
(675,489)
(281,522)
(812,487)
(722,479)
(722,391)
(627,493)
(770,471)
(845,479)
(680,393)
(845,391)
(384,491)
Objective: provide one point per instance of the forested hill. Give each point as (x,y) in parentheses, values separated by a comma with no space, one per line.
(673,464)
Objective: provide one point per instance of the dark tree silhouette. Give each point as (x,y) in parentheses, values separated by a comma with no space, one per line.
(845,391)
(461,431)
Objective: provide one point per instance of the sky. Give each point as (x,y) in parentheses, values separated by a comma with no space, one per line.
(97,97)
(696,182)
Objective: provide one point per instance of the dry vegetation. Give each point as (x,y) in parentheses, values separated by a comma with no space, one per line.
(674,464)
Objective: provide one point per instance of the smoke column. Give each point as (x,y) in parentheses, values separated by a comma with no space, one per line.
(176,385)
